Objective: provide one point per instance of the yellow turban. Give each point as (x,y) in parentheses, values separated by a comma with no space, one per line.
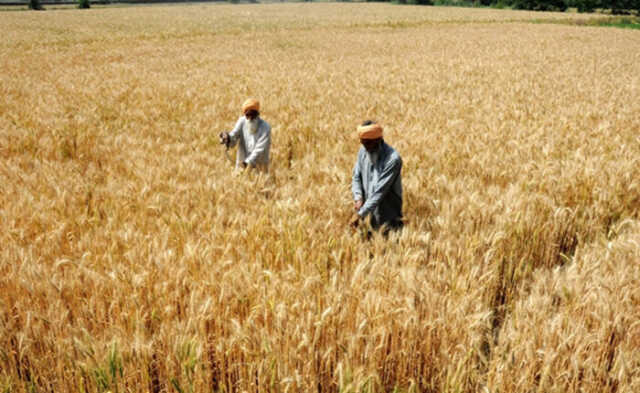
(372,131)
(251,104)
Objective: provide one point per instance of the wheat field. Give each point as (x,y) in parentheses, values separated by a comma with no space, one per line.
(134,259)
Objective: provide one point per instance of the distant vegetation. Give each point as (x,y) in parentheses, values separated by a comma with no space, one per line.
(614,6)
(35,5)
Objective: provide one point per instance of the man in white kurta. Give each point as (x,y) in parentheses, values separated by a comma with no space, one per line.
(252,135)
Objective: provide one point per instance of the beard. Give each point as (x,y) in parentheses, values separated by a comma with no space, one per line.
(373,156)
(252,126)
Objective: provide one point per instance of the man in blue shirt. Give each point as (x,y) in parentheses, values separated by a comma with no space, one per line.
(377,182)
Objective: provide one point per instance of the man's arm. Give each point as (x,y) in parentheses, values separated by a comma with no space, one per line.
(235,134)
(262,144)
(389,174)
(356,181)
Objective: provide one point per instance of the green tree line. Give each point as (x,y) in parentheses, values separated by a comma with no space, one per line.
(614,6)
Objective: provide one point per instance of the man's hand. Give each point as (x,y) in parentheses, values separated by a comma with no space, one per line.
(249,165)
(224,138)
(355,220)
(357,205)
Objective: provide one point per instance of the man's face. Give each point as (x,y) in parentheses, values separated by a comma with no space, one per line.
(251,114)
(371,144)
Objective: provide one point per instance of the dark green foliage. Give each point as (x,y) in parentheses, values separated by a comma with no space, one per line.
(500,4)
(455,3)
(622,6)
(539,5)
(35,5)
(585,5)
(614,6)
(84,4)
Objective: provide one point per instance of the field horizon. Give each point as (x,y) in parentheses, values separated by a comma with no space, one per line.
(133,258)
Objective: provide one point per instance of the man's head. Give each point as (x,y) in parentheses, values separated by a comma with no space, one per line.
(370,134)
(251,108)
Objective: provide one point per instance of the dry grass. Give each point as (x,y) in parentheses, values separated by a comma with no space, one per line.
(132,260)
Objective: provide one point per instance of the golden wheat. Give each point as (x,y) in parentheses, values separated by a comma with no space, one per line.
(133,259)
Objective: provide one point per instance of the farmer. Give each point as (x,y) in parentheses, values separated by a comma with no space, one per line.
(377,181)
(253,137)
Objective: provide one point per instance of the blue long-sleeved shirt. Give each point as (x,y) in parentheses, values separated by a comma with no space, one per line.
(253,149)
(379,185)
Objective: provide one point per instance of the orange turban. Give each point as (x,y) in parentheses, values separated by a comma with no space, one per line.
(372,131)
(251,104)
